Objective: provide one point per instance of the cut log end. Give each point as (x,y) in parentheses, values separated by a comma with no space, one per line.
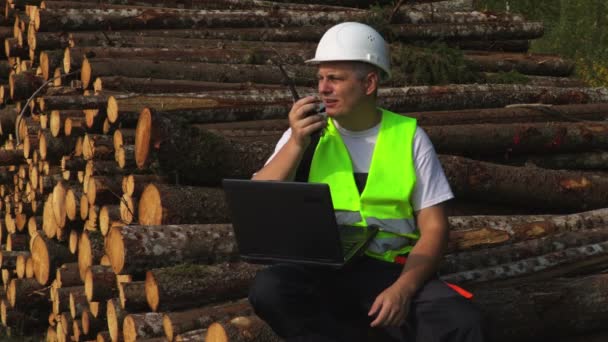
(55,123)
(71,205)
(85,73)
(168,327)
(40,256)
(142,137)
(73,241)
(152,294)
(150,207)
(88,284)
(66,60)
(59,207)
(216,333)
(85,255)
(112,109)
(129,330)
(84,207)
(115,249)
(112,317)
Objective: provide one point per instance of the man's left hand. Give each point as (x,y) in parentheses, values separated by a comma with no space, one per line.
(391,307)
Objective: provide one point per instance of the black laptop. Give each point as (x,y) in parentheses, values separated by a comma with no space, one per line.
(291,222)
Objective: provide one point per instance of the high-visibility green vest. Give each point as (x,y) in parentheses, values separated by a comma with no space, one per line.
(385,201)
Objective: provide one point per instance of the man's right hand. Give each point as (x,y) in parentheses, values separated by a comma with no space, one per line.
(302,123)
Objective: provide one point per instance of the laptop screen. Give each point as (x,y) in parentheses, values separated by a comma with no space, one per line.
(283,220)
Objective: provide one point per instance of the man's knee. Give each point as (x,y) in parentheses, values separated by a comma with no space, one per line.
(265,290)
(450,319)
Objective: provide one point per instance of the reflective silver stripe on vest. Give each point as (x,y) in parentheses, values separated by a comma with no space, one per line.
(346,217)
(397,226)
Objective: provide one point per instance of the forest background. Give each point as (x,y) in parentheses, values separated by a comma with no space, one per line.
(575,29)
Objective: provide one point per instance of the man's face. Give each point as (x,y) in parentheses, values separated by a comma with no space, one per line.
(340,88)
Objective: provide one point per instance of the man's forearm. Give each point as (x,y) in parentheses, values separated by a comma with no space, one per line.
(424,259)
(284,165)
(422,263)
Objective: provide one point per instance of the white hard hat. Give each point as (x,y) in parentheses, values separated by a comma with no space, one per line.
(352,41)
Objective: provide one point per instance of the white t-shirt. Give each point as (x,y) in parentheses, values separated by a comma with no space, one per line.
(431,186)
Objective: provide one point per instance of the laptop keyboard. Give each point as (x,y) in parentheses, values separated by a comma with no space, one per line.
(348,246)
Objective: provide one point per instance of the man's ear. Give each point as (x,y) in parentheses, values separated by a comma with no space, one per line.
(371,83)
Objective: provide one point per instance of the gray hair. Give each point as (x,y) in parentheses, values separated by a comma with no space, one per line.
(363,69)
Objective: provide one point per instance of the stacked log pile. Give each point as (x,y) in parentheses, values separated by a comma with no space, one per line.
(121,119)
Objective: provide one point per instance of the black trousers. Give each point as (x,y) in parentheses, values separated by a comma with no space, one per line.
(307,303)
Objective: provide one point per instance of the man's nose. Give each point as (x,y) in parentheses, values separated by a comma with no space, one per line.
(324,87)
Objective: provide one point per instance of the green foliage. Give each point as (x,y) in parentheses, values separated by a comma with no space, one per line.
(573,29)
(511,77)
(434,64)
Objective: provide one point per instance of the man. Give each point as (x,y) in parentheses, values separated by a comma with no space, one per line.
(382,170)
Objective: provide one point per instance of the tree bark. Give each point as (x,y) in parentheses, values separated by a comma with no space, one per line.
(570,261)
(142,326)
(475,31)
(193,71)
(102,190)
(23,85)
(27,294)
(239,159)
(11,157)
(135,249)
(241,329)
(561,191)
(162,204)
(469,232)
(513,114)
(514,139)
(78,303)
(189,286)
(78,102)
(529,64)
(473,260)
(100,283)
(571,161)
(544,311)
(260,55)
(463,96)
(177,323)
(156,18)
(160,86)
(8,259)
(54,148)
(98,146)
(67,275)
(61,300)
(133,296)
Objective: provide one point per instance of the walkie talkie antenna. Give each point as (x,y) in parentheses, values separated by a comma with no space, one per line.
(290,82)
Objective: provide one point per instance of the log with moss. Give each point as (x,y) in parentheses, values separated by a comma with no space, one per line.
(135,249)
(189,286)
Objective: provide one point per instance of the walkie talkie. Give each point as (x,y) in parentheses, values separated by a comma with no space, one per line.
(320,109)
